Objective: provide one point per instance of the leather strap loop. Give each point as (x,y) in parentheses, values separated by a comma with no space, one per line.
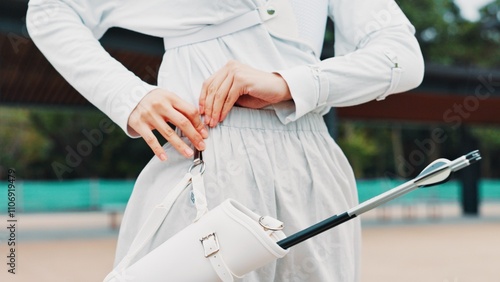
(211,247)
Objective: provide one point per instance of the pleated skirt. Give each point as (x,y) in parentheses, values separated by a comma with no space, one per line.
(294,172)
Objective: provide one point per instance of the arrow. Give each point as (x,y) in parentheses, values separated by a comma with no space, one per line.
(437,172)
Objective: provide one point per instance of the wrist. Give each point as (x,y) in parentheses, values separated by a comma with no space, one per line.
(283,89)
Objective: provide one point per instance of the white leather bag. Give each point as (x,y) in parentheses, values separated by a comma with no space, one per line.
(226,242)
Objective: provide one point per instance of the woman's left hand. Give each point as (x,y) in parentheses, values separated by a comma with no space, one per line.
(240,84)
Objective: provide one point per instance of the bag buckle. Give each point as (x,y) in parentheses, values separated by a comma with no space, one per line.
(210,244)
(197,161)
(266,221)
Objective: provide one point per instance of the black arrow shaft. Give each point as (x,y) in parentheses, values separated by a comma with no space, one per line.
(314,230)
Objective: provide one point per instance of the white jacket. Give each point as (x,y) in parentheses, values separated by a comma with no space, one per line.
(376,53)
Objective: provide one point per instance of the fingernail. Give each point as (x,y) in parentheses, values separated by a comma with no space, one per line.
(163,157)
(207,120)
(204,133)
(201,146)
(189,152)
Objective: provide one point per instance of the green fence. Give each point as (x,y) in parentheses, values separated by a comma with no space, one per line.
(87,195)
(76,195)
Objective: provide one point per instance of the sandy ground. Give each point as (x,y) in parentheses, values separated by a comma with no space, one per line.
(80,247)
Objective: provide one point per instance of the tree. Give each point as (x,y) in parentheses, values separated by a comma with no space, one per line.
(67,143)
(446,38)
(86,143)
(20,145)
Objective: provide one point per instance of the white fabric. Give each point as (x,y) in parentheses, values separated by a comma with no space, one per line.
(65,31)
(280,162)
(151,225)
(230,233)
(294,172)
(214,31)
(231,238)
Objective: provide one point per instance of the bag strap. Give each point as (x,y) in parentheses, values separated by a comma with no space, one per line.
(157,216)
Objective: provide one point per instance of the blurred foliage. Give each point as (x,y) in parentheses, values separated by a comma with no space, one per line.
(21,146)
(489,145)
(446,38)
(356,143)
(373,153)
(66,144)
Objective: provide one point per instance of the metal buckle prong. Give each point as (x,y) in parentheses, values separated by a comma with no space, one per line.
(210,244)
(197,161)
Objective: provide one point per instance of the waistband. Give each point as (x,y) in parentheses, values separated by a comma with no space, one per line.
(258,119)
(268,120)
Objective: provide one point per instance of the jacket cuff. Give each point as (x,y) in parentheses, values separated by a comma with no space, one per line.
(309,88)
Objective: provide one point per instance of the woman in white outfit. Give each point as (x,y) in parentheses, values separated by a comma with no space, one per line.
(241,80)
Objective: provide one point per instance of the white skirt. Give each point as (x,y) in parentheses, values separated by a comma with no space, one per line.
(293,172)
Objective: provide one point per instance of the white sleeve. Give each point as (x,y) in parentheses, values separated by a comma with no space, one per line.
(376,54)
(67,33)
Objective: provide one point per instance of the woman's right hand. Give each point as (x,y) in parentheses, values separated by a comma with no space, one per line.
(159,107)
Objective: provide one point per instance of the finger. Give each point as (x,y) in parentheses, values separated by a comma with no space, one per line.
(168,133)
(233,96)
(211,92)
(223,94)
(189,111)
(192,126)
(203,94)
(152,142)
